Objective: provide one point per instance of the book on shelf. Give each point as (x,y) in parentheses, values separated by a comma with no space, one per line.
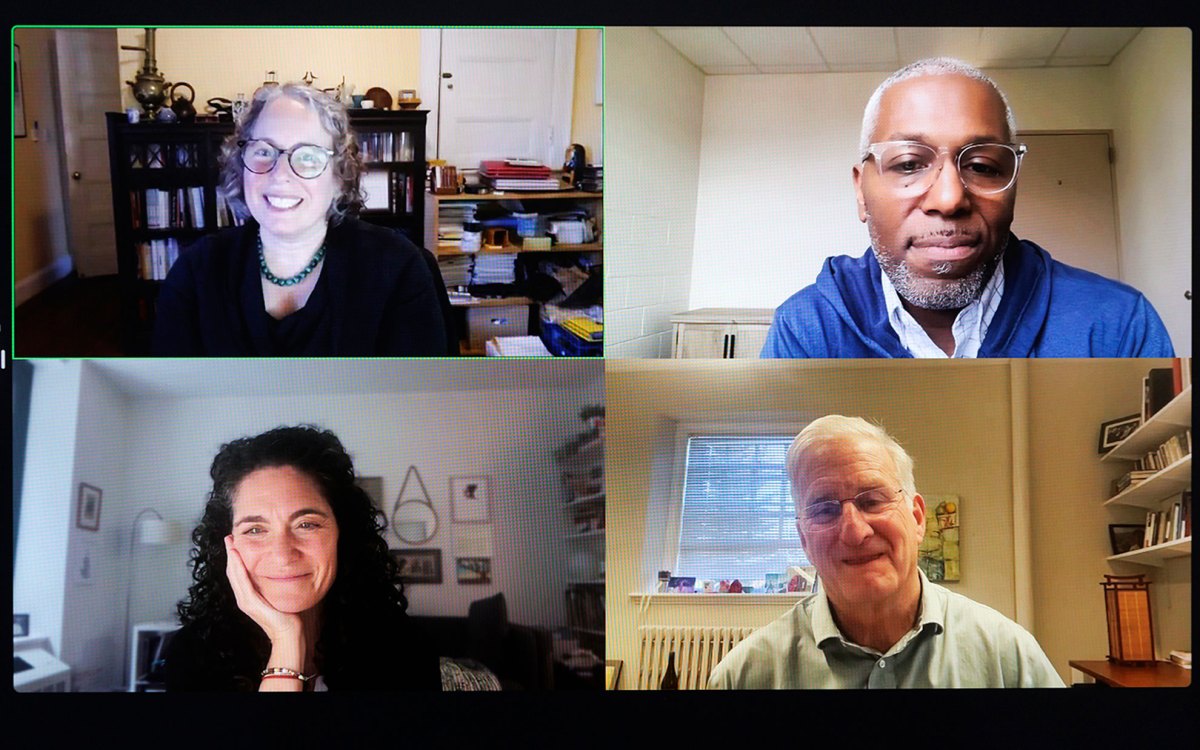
(155,258)
(1160,389)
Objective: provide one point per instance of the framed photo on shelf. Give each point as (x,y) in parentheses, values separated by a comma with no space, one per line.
(87,513)
(1113,432)
(469,498)
(1126,537)
(419,565)
(20,625)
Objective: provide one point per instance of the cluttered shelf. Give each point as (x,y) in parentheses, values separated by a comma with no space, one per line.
(455,248)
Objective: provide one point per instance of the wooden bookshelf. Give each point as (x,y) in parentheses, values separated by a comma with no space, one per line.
(542,203)
(148,157)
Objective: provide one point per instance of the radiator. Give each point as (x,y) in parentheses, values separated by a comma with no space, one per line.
(697,650)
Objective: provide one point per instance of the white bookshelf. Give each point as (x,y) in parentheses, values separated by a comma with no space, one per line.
(1175,417)
(1157,554)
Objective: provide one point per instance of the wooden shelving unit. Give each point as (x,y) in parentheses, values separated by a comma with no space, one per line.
(543,203)
(174,157)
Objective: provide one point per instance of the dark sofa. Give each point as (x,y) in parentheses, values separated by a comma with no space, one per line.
(520,656)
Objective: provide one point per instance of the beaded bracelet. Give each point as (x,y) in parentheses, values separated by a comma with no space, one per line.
(270,672)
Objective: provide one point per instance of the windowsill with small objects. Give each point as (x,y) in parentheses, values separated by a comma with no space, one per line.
(718,598)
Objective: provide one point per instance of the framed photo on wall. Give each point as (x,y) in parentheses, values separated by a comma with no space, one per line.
(87,513)
(419,565)
(1126,537)
(469,498)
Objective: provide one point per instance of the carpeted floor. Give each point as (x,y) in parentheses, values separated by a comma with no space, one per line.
(74,317)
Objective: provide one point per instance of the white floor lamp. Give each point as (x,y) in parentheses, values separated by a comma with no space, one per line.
(154,532)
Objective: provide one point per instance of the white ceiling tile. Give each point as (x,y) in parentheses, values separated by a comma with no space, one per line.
(1068,62)
(858,47)
(775,46)
(1095,42)
(1023,43)
(817,68)
(729,70)
(864,68)
(1012,62)
(915,44)
(703,45)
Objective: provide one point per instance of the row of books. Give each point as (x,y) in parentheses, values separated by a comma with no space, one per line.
(1131,479)
(226,216)
(1175,448)
(1170,524)
(385,146)
(156,257)
(179,208)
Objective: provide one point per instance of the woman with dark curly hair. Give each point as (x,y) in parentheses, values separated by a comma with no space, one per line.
(294,588)
(302,277)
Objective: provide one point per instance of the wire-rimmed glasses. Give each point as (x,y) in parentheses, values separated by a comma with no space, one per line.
(909,168)
(872,504)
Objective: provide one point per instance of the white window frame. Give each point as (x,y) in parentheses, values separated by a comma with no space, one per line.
(683,431)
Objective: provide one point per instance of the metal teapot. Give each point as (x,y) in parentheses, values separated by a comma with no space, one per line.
(184,109)
(149,86)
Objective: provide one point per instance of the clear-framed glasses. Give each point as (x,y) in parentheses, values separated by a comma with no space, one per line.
(307,161)
(873,503)
(909,168)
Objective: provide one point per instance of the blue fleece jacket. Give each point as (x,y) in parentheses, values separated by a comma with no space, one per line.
(1049,309)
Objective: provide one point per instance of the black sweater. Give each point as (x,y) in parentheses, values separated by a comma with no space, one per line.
(376,296)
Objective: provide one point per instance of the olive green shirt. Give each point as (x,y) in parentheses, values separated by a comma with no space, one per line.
(955,643)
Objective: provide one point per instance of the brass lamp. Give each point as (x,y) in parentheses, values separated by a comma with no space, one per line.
(1130,629)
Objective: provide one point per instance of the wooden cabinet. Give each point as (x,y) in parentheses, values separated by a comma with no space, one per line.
(443,231)
(165,195)
(721,333)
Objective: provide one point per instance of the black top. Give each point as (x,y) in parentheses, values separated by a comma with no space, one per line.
(390,654)
(376,296)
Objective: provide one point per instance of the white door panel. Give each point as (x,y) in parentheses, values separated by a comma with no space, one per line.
(1065,200)
(86,61)
(505,93)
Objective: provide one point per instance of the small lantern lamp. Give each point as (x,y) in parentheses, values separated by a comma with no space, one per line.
(1130,629)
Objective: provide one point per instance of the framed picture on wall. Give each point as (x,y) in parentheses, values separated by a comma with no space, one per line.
(87,513)
(474,570)
(469,498)
(419,565)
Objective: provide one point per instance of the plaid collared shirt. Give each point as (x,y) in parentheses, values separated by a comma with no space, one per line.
(969,327)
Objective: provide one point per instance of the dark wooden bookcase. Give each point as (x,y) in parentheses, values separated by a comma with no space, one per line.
(175,157)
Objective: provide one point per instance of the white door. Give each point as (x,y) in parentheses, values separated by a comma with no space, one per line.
(505,93)
(87,76)
(1065,200)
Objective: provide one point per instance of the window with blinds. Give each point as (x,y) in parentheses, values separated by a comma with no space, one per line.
(738,520)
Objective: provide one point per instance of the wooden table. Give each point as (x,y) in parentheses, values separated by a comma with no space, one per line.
(1158,674)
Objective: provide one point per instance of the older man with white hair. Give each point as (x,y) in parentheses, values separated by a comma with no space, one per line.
(936,184)
(876,620)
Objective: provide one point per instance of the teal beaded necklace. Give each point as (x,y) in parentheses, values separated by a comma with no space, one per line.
(293,280)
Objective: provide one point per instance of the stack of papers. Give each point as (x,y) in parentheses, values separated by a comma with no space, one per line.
(494,268)
(517,174)
(516,346)
(456,269)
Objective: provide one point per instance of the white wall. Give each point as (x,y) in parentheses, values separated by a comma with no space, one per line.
(47,499)
(1152,84)
(776,195)
(653,102)
(155,453)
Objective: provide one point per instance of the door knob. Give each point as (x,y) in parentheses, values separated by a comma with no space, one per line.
(76,176)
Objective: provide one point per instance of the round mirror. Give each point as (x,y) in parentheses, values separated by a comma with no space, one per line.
(414,522)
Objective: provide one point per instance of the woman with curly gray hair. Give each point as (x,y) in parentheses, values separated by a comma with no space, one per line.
(302,276)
